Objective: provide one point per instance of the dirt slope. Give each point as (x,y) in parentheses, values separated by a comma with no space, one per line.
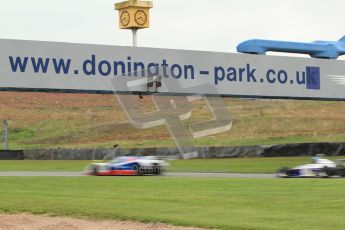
(31,222)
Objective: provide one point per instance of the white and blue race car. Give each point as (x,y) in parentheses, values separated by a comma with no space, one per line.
(124,166)
(318,168)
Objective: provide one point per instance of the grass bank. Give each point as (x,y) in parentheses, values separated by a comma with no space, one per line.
(51,120)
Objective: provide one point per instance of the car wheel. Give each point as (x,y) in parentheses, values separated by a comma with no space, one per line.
(158,171)
(136,167)
(322,173)
(95,170)
(282,172)
(342,172)
(325,172)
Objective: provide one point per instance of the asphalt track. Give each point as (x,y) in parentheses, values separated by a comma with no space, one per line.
(193,175)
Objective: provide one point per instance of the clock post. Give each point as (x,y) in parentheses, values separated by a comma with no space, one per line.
(134,15)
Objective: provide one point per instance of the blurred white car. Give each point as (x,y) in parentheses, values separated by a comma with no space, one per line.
(318,168)
(128,166)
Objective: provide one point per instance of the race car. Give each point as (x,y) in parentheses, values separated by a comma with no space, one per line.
(124,166)
(318,168)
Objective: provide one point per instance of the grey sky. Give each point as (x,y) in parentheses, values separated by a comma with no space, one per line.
(215,25)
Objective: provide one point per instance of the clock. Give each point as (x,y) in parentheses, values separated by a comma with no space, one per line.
(125,18)
(134,14)
(140,17)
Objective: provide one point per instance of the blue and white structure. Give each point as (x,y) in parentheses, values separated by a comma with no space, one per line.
(316,49)
(67,67)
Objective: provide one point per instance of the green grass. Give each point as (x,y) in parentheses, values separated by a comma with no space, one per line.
(238,165)
(235,204)
(42,165)
(235,165)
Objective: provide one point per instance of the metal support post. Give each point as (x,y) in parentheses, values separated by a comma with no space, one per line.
(134,33)
(5,126)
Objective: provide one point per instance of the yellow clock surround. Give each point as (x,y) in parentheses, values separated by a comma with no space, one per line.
(134,14)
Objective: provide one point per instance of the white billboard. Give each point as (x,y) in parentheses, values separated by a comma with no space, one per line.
(51,66)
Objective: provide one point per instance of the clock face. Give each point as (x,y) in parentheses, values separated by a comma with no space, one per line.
(140,17)
(125,18)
